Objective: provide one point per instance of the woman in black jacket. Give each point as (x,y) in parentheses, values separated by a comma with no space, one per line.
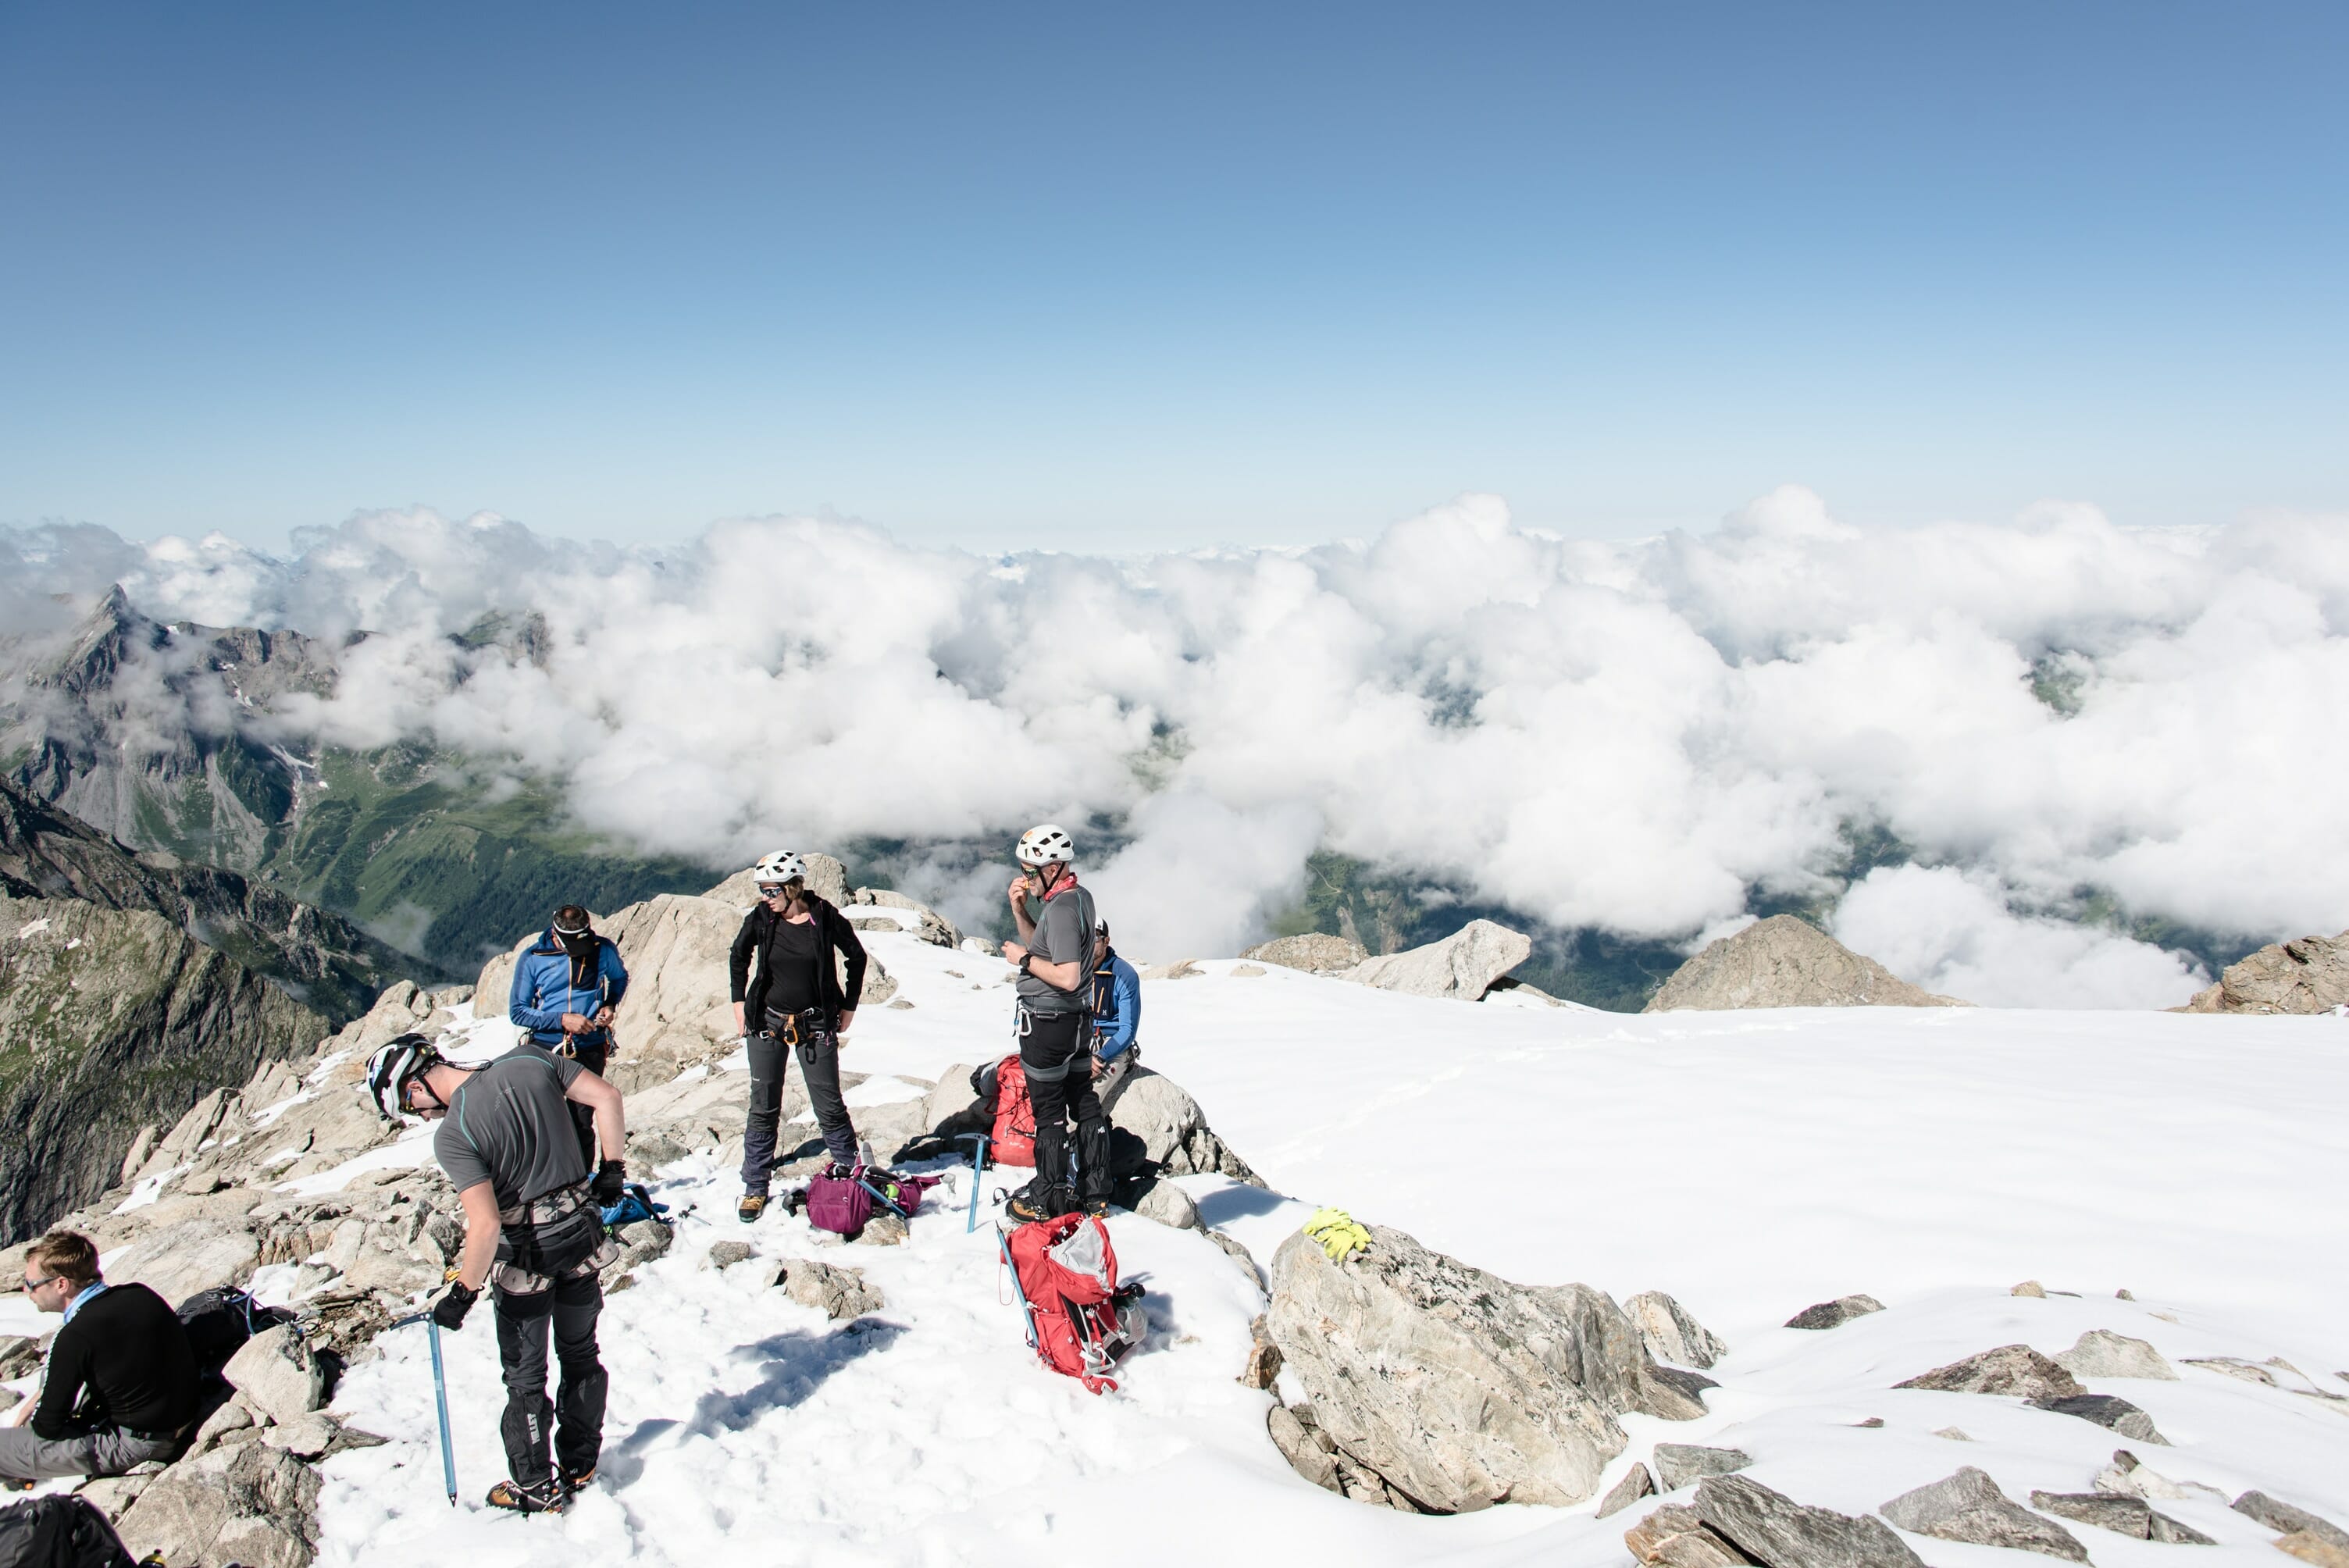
(796,1003)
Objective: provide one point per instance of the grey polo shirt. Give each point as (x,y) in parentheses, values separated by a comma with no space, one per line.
(1064,934)
(509,1125)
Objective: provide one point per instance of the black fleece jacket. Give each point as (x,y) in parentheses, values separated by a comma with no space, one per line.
(124,1362)
(832,932)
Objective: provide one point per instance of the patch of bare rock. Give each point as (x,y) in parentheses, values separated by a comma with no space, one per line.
(1787,961)
(2307,975)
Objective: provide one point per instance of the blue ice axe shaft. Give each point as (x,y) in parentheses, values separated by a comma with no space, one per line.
(977,1172)
(1027,1313)
(439,1399)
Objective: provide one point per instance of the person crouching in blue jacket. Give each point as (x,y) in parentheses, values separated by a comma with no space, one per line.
(1117,1016)
(566,987)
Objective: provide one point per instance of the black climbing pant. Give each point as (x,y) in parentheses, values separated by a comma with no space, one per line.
(1059,1066)
(819,1054)
(574,1417)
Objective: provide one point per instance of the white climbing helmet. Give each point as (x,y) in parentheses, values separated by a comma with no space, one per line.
(393,1067)
(1044,843)
(782,866)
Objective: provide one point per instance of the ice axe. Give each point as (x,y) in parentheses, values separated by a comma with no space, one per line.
(440,1401)
(978,1142)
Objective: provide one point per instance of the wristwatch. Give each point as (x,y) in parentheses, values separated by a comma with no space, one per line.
(1025,960)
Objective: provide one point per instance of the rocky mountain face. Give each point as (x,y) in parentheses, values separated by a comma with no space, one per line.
(2307,975)
(319,959)
(168,738)
(147,730)
(112,1018)
(1787,961)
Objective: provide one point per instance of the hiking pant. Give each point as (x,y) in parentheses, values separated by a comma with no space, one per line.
(571,1306)
(26,1455)
(819,1054)
(591,1050)
(1053,1055)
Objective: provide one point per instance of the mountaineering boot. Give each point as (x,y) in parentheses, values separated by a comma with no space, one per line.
(580,1481)
(752,1205)
(547,1497)
(1026,1206)
(1097,1207)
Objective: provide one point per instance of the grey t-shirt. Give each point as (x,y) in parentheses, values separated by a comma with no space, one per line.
(1064,933)
(509,1125)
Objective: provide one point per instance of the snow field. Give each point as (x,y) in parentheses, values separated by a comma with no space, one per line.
(1750,1163)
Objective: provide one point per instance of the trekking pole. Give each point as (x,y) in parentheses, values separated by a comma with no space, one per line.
(439,1399)
(978,1142)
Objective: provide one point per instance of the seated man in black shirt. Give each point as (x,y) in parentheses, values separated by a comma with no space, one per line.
(120,1387)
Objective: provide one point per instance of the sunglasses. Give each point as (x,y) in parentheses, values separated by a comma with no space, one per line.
(32,1284)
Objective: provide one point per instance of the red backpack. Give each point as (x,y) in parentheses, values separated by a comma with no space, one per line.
(1080,1320)
(1014,1140)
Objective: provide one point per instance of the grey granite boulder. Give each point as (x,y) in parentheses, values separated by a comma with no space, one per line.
(1834,1314)
(839,1293)
(249,1504)
(1679,1464)
(2102,1354)
(1157,1128)
(2106,1410)
(2286,1519)
(1670,1334)
(1457,1387)
(1775,1530)
(1314,952)
(1636,1484)
(2307,975)
(274,1373)
(2011,1369)
(2130,1516)
(1461,967)
(1969,1507)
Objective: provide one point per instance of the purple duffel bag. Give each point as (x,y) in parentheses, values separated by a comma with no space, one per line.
(839,1204)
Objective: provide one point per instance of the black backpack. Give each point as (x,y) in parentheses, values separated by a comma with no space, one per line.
(58,1532)
(218,1323)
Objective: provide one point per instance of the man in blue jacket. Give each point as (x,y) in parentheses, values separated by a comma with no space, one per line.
(566,987)
(1117,1016)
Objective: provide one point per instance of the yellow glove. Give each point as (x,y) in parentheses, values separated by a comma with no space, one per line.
(1337,1234)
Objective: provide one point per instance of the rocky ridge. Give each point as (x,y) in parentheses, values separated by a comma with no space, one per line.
(294,1170)
(2310,974)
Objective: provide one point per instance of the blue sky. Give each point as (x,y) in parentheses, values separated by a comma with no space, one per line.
(1136,277)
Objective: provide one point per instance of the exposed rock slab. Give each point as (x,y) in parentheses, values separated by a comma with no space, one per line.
(1682,1464)
(2100,1352)
(1670,1334)
(1457,1387)
(248,1503)
(1315,951)
(2015,1370)
(2289,1518)
(1636,1484)
(1969,1507)
(1775,1529)
(2308,976)
(2123,1515)
(1787,961)
(1460,968)
(2106,1410)
(1834,1314)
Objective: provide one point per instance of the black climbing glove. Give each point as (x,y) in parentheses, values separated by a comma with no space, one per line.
(450,1311)
(611,1183)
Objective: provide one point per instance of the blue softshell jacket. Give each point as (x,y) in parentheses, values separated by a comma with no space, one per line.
(542,991)
(1117,1006)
